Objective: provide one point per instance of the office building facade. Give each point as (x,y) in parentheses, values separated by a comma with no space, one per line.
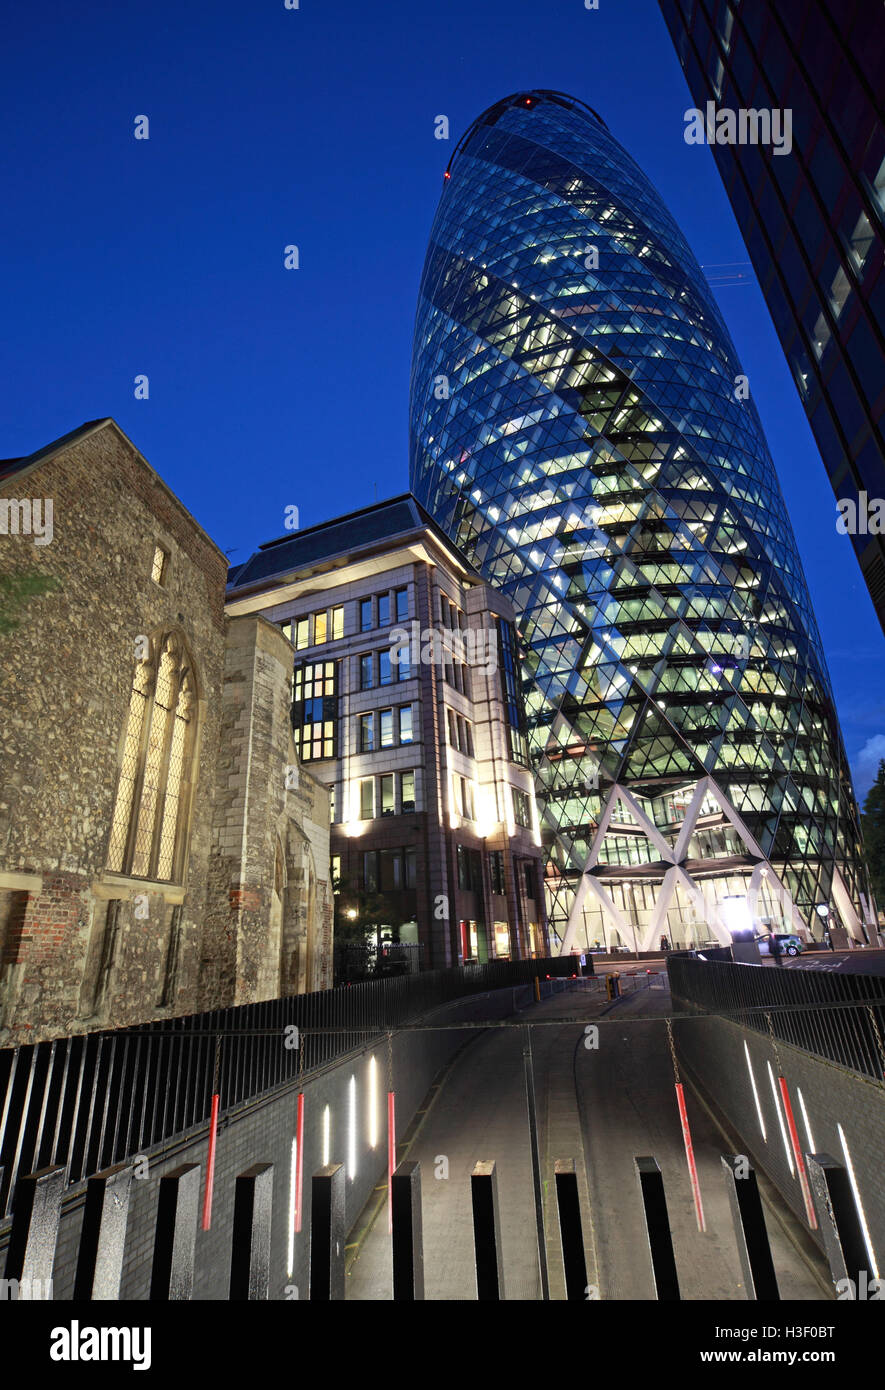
(581,429)
(405,704)
(812,215)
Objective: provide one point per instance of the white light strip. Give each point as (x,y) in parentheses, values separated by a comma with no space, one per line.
(327,1136)
(755,1093)
(293,1187)
(812,1147)
(373,1104)
(780,1120)
(859,1204)
(351,1130)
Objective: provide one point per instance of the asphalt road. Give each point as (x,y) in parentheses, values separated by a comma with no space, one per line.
(866,962)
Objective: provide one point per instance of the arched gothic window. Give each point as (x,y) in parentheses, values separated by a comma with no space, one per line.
(149,829)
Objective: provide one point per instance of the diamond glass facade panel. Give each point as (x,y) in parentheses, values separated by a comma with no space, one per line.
(576,429)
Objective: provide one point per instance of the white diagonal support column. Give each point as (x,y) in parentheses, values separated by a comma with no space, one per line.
(847,911)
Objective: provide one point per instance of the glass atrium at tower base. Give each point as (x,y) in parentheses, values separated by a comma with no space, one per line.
(581,427)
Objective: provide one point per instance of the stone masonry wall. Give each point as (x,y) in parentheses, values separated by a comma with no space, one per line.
(266,807)
(65,679)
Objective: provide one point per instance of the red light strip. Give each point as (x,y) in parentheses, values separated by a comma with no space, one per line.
(797,1154)
(210,1165)
(299,1159)
(391,1157)
(689,1154)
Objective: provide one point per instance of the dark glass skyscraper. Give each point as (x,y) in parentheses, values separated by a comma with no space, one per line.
(581,428)
(812,216)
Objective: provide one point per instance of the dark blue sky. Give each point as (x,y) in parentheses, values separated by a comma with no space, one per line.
(315,126)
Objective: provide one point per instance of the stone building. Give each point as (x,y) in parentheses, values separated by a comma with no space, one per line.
(161,851)
(407,707)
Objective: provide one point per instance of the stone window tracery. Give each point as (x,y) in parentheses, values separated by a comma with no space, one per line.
(148,831)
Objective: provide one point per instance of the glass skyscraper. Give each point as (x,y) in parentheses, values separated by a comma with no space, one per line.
(581,428)
(812,216)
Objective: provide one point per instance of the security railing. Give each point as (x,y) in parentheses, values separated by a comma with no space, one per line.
(839,1016)
(94,1099)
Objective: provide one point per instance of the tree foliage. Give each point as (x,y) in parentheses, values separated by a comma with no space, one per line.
(874,833)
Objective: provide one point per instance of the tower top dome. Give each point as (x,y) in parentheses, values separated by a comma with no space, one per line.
(528,100)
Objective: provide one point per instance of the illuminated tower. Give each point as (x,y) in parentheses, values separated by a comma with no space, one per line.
(581,428)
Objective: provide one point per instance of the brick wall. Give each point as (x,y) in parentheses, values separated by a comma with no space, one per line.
(713,1050)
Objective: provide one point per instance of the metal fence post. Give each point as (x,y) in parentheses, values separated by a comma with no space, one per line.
(172,1276)
(754,1250)
(250,1248)
(327,1234)
(102,1238)
(408,1240)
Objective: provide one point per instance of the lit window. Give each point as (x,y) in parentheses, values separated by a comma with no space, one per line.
(839,292)
(463,797)
(320,627)
(386,728)
(302,633)
(158,568)
(148,827)
(314,710)
(337,623)
(366,726)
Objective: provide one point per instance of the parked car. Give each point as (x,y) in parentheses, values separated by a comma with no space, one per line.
(791,945)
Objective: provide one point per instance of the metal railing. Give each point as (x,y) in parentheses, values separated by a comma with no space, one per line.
(94,1099)
(837,1016)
